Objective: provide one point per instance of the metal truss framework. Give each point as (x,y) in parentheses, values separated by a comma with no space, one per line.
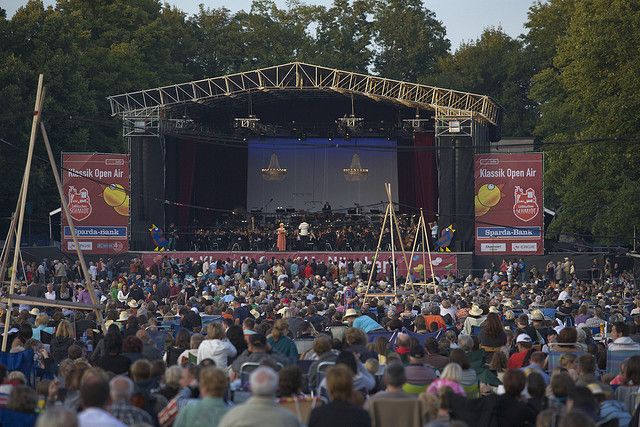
(144,105)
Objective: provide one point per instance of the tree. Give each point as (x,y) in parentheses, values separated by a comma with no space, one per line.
(409,40)
(591,92)
(493,65)
(343,35)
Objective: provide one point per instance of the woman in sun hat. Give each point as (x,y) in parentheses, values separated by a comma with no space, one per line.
(475,318)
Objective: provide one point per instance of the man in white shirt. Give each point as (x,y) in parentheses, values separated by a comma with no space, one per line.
(621,339)
(304,233)
(51,293)
(94,394)
(565,294)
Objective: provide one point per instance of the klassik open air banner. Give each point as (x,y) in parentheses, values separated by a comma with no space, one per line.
(509,215)
(96,187)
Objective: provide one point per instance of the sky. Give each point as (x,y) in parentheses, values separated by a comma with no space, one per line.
(464,19)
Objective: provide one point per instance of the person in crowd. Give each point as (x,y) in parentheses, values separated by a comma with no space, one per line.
(261,408)
(523,354)
(216,347)
(475,318)
(94,397)
(450,378)
(365,323)
(280,342)
(121,392)
(511,410)
(394,378)
(57,416)
(340,411)
(536,364)
(62,340)
(418,372)
(180,344)
(433,358)
(324,353)
(492,335)
(621,340)
(211,408)
(363,381)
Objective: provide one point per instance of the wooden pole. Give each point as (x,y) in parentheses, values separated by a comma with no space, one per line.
(22,202)
(74,236)
(375,255)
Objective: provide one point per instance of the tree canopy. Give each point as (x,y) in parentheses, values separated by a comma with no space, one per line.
(570,79)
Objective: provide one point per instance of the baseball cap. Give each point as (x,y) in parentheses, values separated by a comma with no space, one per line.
(523,338)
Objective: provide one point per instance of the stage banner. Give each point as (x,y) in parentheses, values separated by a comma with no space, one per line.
(509,217)
(96,186)
(443,263)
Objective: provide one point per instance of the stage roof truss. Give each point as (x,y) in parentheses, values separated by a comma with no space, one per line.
(301,76)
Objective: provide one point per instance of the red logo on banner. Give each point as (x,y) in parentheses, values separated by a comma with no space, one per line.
(525,207)
(79,203)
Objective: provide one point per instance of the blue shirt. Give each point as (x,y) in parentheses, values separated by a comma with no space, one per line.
(536,368)
(366,323)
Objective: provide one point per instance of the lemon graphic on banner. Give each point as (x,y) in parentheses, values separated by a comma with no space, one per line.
(488,196)
(116,196)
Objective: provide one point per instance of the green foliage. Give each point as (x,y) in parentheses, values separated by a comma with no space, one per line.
(572,75)
(589,90)
(409,40)
(493,65)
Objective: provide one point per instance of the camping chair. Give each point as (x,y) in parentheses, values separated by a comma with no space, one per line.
(616,358)
(303,344)
(414,389)
(301,407)
(553,358)
(475,330)
(337,332)
(396,412)
(629,396)
(21,361)
(321,371)
(245,371)
(15,418)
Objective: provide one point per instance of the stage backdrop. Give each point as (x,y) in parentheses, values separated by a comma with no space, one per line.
(509,217)
(314,173)
(443,263)
(97,190)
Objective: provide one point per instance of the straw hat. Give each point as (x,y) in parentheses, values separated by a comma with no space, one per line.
(133,304)
(123,316)
(351,312)
(475,311)
(537,315)
(35,311)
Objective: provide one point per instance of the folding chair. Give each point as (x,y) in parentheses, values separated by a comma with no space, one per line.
(321,371)
(553,358)
(303,345)
(616,358)
(245,371)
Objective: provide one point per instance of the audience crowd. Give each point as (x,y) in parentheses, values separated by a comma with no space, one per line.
(283,342)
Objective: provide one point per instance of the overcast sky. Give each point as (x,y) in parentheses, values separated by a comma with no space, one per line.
(464,19)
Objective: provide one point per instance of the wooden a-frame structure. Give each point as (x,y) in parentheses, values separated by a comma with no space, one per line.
(421,239)
(17,222)
(394,232)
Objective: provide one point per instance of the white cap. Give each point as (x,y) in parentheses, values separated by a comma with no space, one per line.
(523,338)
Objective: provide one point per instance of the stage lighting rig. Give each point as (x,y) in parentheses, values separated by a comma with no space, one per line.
(417,124)
(251,123)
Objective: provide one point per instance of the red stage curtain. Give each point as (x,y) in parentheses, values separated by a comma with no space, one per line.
(186,171)
(426,174)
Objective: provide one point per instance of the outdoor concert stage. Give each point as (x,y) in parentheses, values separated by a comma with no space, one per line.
(284,139)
